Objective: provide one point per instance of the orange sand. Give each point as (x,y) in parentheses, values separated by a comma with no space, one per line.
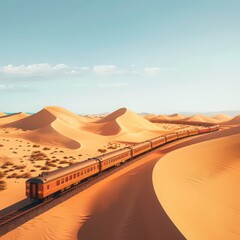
(194,184)
(198,187)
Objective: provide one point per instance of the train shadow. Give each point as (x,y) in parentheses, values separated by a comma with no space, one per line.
(14,207)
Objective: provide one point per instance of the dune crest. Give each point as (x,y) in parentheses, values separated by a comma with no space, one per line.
(234,121)
(9,118)
(120,122)
(222,117)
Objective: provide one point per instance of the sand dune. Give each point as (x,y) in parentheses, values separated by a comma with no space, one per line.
(150,116)
(222,117)
(234,121)
(2,114)
(176,116)
(47,116)
(201,118)
(120,122)
(198,187)
(160,117)
(6,119)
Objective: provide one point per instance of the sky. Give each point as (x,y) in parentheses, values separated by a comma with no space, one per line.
(157,56)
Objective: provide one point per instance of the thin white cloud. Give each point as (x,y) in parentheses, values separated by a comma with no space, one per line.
(11,87)
(42,69)
(107,70)
(116,84)
(152,70)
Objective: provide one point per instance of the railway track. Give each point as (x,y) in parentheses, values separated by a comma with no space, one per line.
(17,217)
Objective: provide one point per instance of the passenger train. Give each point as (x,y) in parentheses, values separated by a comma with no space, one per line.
(47,184)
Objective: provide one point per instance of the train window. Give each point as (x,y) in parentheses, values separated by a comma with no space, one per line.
(74,175)
(78,174)
(82,173)
(70,177)
(47,186)
(91,168)
(62,180)
(66,179)
(58,182)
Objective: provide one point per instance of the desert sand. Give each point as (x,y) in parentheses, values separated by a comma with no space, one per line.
(55,137)
(146,200)
(198,186)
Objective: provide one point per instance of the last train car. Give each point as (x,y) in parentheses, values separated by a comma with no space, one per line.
(49,183)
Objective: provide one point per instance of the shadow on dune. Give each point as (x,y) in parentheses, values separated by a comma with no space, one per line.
(127,208)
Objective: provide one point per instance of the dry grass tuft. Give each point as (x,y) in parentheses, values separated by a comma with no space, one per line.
(102,150)
(3,185)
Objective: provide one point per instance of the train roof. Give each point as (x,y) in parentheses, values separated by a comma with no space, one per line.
(111,154)
(49,176)
(140,144)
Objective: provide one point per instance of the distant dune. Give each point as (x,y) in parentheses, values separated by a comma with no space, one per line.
(176,116)
(9,118)
(233,121)
(222,117)
(2,114)
(201,118)
(57,126)
(120,121)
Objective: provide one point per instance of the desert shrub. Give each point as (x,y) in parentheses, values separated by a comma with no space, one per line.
(1,175)
(14,175)
(3,185)
(59,166)
(102,150)
(33,170)
(63,162)
(18,167)
(46,148)
(49,163)
(8,163)
(36,146)
(112,147)
(37,166)
(79,155)
(26,175)
(1,145)
(45,168)
(65,157)
(70,163)
(37,155)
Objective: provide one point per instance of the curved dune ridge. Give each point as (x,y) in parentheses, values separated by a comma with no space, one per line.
(120,122)
(57,126)
(198,186)
(9,118)
(176,116)
(233,121)
(52,125)
(222,117)
(2,114)
(201,118)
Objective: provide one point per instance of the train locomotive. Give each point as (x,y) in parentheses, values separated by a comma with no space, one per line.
(48,184)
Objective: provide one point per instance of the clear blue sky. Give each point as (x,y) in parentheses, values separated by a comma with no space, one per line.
(96,56)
